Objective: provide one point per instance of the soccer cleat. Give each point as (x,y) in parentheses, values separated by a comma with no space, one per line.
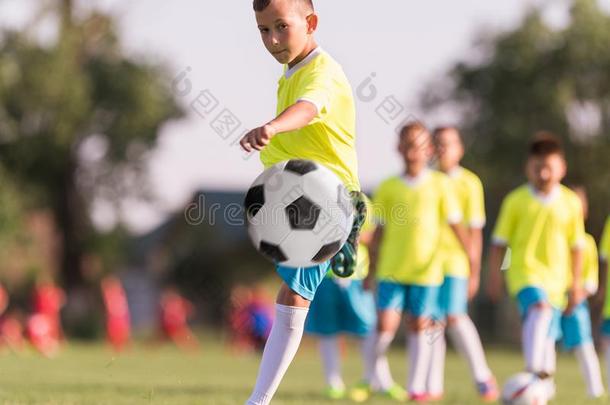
(419,398)
(488,390)
(397,393)
(361,392)
(435,397)
(343,264)
(335,393)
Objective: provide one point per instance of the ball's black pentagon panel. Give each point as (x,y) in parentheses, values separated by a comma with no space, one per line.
(272,251)
(301,167)
(327,251)
(303,214)
(255,198)
(344,200)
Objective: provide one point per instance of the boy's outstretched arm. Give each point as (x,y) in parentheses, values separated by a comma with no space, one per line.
(373,257)
(297,116)
(576,293)
(494,285)
(602,277)
(476,246)
(465,239)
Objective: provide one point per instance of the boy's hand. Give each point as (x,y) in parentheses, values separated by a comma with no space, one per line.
(575,297)
(258,138)
(473,287)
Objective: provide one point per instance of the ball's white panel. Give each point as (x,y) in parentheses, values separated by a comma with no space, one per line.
(269,224)
(524,389)
(283,188)
(320,186)
(300,247)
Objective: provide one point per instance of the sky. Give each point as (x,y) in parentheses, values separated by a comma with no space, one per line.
(389,52)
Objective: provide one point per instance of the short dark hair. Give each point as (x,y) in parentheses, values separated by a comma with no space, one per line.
(439,130)
(260,5)
(545,143)
(413,126)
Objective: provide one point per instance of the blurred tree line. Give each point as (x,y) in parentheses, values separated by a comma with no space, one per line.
(536,78)
(518,82)
(78,118)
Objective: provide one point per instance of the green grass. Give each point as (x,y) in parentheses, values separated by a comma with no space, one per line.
(91,374)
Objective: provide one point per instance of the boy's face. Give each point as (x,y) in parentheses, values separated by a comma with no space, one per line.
(416,148)
(286,28)
(449,149)
(545,172)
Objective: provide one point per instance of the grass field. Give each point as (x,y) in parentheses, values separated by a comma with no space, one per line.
(91,374)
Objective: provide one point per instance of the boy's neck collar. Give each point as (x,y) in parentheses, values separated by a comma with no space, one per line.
(454,171)
(291,71)
(413,181)
(544,198)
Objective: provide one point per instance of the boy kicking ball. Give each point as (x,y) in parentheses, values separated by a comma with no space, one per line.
(315,121)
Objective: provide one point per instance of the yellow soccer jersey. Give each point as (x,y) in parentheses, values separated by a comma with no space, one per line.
(541,232)
(413,213)
(604,253)
(590,268)
(330,139)
(469,193)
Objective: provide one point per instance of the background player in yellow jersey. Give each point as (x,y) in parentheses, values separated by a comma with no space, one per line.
(412,210)
(542,223)
(576,327)
(461,281)
(315,121)
(604,254)
(342,306)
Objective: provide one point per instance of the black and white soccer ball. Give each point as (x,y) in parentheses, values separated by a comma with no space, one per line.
(525,389)
(299,213)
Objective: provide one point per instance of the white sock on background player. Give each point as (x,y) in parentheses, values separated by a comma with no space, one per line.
(534,335)
(436,372)
(465,337)
(377,370)
(419,352)
(331,362)
(589,365)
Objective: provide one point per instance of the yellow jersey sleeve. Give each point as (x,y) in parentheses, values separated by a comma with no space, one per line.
(315,89)
(576,230)
(590,265)
(505,222)
(474,212)
(604,249)
(450,209)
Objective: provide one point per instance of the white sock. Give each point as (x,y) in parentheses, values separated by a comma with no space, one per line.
(280,349)
(607,356)
(550,357)
(466,339)
(420,352)
(534,335)
(436,371)
(329,350)
(377,369)
(589,365)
